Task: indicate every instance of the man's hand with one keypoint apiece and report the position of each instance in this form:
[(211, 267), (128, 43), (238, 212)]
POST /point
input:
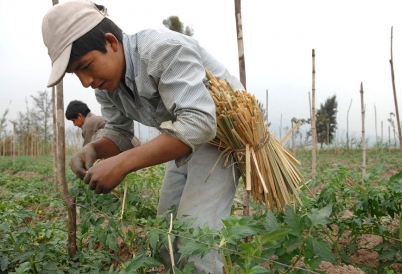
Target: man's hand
[(104, 176), (83, 160), (107, 174)]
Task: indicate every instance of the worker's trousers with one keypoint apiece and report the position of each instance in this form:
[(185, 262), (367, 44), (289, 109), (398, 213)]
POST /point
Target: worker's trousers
[(208, 201)]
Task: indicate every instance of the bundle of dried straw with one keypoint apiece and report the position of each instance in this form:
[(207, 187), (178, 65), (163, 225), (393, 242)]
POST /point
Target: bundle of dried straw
[(266, 166)]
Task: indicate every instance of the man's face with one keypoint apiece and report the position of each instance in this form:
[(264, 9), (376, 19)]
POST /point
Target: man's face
[(100, 70), (79, 121)]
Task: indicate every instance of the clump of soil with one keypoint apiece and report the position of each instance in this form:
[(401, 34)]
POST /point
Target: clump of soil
[(329, 268), (26, 174), (21, 173)]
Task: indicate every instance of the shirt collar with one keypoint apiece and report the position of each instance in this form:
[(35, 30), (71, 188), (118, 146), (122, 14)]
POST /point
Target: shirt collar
[(128, 48)]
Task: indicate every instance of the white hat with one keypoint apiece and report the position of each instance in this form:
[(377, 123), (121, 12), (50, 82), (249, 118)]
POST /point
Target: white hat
[(62, 25)]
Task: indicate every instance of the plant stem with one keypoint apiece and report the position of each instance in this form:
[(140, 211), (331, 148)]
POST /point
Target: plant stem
[(12, 237), (33, 265), (334, 243), (300, 255)]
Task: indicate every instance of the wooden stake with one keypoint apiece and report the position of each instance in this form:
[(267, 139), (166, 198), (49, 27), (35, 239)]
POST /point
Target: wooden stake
[(382, 137), (170, 243), (293, 140), (389, 138), (313, 127), (363, 135), (240, 46), (376, 135), (13, 140), (347, 126), (248, 168), (61, 170), (266, 106), (55, 186), (395, 99), (242, 71)]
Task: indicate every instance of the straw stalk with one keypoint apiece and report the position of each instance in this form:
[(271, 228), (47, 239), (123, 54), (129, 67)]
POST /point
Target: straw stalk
[(266, 166)]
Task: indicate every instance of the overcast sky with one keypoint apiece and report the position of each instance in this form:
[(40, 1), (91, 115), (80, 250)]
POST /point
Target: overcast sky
[(351, 40)]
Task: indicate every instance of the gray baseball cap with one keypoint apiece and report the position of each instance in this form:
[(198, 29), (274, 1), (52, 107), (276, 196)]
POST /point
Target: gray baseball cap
[(62, 25)]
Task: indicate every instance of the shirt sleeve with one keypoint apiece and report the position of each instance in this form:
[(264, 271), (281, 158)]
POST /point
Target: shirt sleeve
[(118, 127), (87, 135), (91, 125), (177, 68)]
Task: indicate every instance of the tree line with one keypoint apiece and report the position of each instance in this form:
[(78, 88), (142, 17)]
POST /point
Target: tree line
[(31, 132)]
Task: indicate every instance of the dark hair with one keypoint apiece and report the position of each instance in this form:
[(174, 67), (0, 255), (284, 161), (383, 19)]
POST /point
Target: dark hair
[(74, 108), (95, 39)]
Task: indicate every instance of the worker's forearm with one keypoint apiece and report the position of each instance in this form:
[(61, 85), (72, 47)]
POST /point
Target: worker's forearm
[(159, 150), (105, 148)]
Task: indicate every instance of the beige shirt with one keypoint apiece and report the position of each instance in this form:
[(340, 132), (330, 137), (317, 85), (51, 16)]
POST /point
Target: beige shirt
[(91, 125)]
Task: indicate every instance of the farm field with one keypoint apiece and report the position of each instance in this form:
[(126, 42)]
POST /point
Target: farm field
[(352, 225)]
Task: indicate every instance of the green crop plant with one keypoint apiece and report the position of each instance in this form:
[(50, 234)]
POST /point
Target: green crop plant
[(33, 232)]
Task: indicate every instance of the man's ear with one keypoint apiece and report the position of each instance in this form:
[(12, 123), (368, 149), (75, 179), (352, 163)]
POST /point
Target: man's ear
[(112, 40)]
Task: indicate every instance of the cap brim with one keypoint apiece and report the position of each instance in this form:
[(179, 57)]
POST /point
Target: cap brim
[(59, 67)]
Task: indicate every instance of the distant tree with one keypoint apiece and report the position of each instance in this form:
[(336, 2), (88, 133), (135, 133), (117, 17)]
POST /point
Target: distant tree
[(297, 131), (3, 121), (25, 122), (24, 129), (174, 23), (392, 123), (43, 103), (3, 135), (31, 128), (307, 141), (326, 121)]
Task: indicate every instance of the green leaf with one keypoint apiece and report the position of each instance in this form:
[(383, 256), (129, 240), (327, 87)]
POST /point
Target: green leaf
[(4, 227), (257, 269), (48, 233), (400, 226), (358, 222), (102, 236), (194, 248), (292, 220), (235, 233), (271, 223), (112, 223), (309, 249), (23, 268), (85, 223), (323, 250), (99, 221), (153, 238), (280, 251), (197, 232), (313, 263), (319, 218), (396, 181), (293, 244), (92, 220), (4, 262), (140, 261), (189, 267), (111, 242), (387, 254), (23, 256), (277, 235)]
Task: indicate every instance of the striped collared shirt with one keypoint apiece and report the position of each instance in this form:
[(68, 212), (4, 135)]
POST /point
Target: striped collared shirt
[(165, 88)]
